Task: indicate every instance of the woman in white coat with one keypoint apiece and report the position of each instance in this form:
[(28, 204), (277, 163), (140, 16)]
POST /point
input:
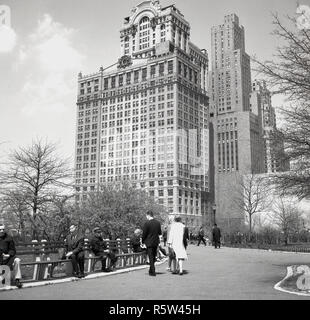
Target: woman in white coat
[(175, 241)]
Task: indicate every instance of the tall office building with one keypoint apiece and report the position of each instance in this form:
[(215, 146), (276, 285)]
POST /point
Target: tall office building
[(145, 118), (261, 105), (237, 130)]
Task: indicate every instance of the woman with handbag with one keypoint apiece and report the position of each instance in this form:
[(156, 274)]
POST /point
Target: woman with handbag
[(176, 242)]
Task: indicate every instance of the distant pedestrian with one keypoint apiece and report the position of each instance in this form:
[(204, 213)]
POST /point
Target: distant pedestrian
[(75, 251), (176, 241), (216, 236), (201, 236), (150, 237), (185, 237)]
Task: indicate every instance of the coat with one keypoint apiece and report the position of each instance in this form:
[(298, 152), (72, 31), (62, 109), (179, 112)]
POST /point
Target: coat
[(97, 245), (135, 243), (185, 237), (216, 234), (75, 243), (151, 233), (176, 237), (7, 245)]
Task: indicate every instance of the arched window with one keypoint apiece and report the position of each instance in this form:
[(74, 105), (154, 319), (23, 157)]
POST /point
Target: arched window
[(144, 33)]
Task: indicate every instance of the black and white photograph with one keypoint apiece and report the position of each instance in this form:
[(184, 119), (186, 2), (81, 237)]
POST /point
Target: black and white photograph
[(154, 154)]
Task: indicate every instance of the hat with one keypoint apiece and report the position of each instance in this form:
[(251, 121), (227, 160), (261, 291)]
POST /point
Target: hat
[(96, 229), (72, 226), (137, 231)]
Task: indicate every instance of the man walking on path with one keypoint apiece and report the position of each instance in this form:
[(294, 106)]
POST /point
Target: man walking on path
[(201, 235), (216, 236), (150, 237)]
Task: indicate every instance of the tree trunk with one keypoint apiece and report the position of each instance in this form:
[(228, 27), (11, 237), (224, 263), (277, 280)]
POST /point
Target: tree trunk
[(250, 230)]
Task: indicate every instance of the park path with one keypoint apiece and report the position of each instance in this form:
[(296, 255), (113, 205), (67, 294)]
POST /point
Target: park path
[(226, 273)]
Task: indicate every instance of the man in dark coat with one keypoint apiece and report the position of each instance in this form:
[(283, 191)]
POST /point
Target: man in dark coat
[(75, 251), (201, 236), (185, 237), (8, 255), (216, 236), (100, 249), (150, 237)]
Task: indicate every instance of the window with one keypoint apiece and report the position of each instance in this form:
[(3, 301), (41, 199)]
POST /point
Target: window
[(144, 33)]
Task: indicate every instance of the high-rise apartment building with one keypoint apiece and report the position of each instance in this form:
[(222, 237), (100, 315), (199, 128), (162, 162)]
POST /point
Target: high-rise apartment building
[(145, 119), (260, 104), (237, 130)]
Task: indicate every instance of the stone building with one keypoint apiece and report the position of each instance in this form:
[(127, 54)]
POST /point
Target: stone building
[(261, 105), (145, 119), (237, 132)]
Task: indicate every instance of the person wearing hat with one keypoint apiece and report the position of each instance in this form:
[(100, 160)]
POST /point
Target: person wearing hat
[(100, 250), (176, 242), (150, 238), (135, 241), (75, 251)]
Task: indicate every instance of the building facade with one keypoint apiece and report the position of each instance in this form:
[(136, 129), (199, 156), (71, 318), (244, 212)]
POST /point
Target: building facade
[(145, 119), (238, 141), (261, 105)]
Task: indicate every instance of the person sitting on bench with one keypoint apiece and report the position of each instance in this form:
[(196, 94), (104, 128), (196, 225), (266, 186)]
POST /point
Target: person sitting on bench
[(75, 251), (8, 256), (99, 247)]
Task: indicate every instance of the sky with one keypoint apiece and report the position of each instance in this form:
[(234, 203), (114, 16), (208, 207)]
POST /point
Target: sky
[(49, 42)]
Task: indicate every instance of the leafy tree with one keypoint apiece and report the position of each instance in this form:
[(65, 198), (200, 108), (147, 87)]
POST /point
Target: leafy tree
[(288, 74), (117, 210)]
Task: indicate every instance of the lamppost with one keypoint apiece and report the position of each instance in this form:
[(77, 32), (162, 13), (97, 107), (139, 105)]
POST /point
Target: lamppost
[(214, 212)]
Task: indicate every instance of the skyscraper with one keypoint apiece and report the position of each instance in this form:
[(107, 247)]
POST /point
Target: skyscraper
[(261, 105), (237, 130), (145, 118)]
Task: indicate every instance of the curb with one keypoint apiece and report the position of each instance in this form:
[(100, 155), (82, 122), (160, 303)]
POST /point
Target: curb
[(73, 279), (268, 250), (288, 274)]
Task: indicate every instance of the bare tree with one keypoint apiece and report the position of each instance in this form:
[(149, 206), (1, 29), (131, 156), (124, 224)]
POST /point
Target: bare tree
[(288, 74), (251, 196), (35, 174), (16, 211), (287, 217)]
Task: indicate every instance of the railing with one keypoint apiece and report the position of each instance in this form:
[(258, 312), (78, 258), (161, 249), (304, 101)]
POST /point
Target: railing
[(45, 261)]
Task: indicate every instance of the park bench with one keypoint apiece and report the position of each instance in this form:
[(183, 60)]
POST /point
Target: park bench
[(45, 261)]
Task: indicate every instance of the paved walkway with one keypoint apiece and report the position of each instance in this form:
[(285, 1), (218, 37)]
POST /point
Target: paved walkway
[(210, 274)]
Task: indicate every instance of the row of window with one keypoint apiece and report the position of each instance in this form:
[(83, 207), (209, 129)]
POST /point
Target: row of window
[(138, 75)]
